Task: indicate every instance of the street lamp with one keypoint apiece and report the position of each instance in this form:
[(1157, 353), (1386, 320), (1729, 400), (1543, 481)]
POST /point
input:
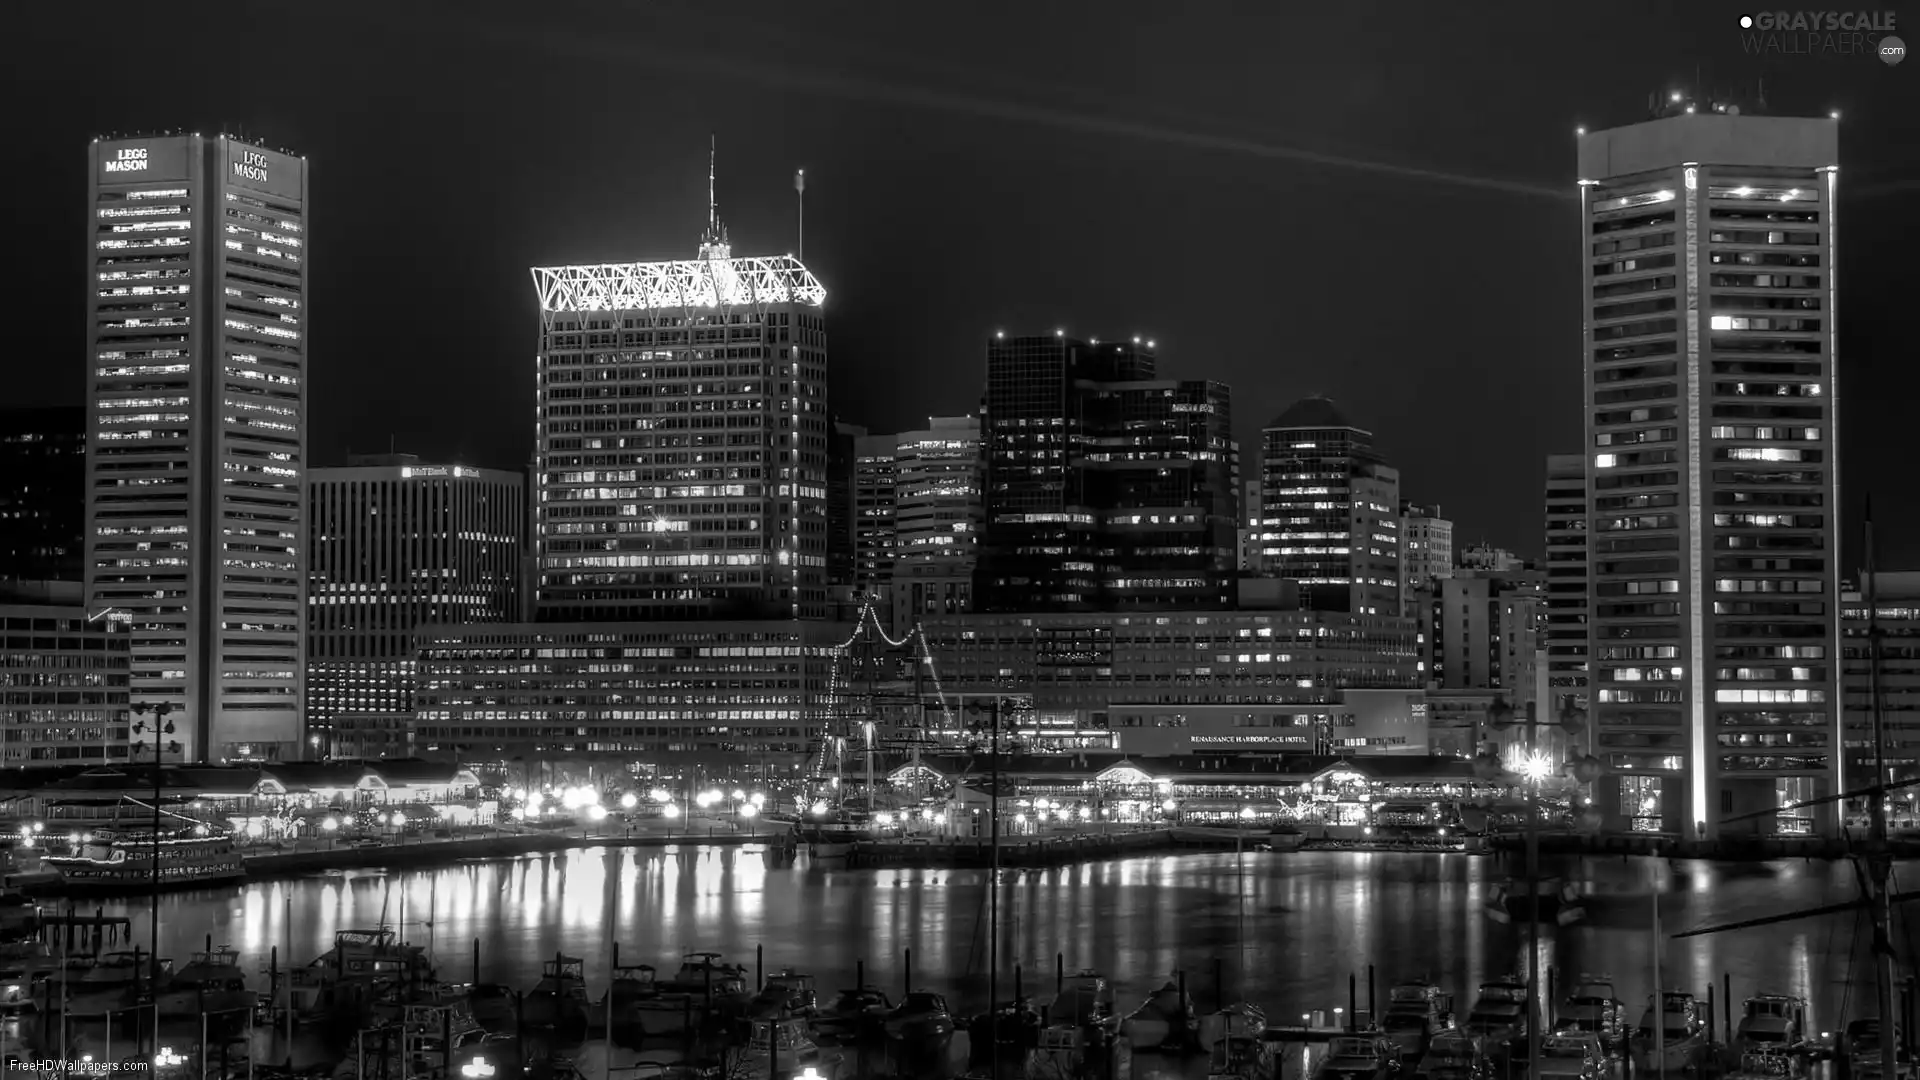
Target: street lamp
[(161, 726)]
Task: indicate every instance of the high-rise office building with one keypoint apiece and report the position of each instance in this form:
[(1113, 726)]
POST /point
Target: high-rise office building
[(43, 456), (1708, 254), (196, 283), (939, 512), (1564, 627), (1332, 511), (398, 544), (874, 476), (682, 445), (1104, 485)]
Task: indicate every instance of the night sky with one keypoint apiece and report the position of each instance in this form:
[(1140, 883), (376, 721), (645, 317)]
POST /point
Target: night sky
[(1370, 201)]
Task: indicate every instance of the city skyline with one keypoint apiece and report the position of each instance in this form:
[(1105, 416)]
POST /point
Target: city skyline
[(892, 368)]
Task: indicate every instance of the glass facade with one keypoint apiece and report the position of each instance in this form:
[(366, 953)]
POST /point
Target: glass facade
[(197, 274), (64, 682), (1708, 256), (1104, 487)]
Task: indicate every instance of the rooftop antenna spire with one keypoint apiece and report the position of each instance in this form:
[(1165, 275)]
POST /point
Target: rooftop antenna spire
[(713, 245)]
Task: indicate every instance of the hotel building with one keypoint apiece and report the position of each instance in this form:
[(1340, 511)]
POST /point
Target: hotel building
[(1708, 253), (398, 544), (1332, 512), (196, 273), (1105, 486), (682, 441)]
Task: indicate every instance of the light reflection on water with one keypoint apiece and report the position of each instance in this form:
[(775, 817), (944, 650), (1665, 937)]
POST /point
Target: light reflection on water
[(1309, 919)]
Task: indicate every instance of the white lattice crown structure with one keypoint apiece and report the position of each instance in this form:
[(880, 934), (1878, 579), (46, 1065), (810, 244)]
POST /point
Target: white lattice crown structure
[(689, 283)]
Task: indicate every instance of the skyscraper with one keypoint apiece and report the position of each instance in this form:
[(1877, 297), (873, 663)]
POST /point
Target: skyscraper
[(682, 439), (1332, 511), (1708, 252), (398, 544), (875, 476), (1565, 619), (197, 312), (938, 514), (43, 455), (1104, 485)]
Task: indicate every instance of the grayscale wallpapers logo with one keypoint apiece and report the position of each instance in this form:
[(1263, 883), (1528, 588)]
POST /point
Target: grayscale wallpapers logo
[(1822, 34)]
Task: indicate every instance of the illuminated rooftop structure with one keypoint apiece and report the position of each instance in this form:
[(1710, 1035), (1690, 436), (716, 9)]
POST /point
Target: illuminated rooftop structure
[(680, 284), (714, 280)]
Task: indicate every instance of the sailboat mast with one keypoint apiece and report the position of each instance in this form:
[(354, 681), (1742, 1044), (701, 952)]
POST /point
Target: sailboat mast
[(1879, 858), (1659, 992)]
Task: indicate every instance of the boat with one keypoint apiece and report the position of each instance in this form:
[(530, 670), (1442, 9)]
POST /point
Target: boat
[(1501, 1016), (720, 987), (1451, 1055), (1165, 1022), (786, 1048), (347, 978), (493, 1005), (637, 1008), (1085, 1000), (559, 1000), (853, 1016), (1594, 1008), (1014, 1028), (212, 983), (120, 861), (1359, 1057), (787, 993), (1549, 899), (1684, 1025), (1770, 1022), (1237, 1047), (1572, 1056), (111, 983), (1416, 1012), (919, 1033)]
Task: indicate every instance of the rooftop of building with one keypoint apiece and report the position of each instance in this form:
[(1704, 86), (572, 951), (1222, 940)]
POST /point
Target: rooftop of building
[(1312, 412)]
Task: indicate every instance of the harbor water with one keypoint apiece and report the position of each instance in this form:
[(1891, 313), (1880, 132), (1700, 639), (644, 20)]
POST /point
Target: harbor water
[(1284, 931)]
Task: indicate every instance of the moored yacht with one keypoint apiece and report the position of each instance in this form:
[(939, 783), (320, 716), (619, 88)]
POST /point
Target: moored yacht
[(1594, 1009), (1166, 1022), (1502, 1015), (1416, 1012), (1672, 1034), (1770, 1022), (559, 999), (115, 862), (1236, 1043), (213, 983)]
